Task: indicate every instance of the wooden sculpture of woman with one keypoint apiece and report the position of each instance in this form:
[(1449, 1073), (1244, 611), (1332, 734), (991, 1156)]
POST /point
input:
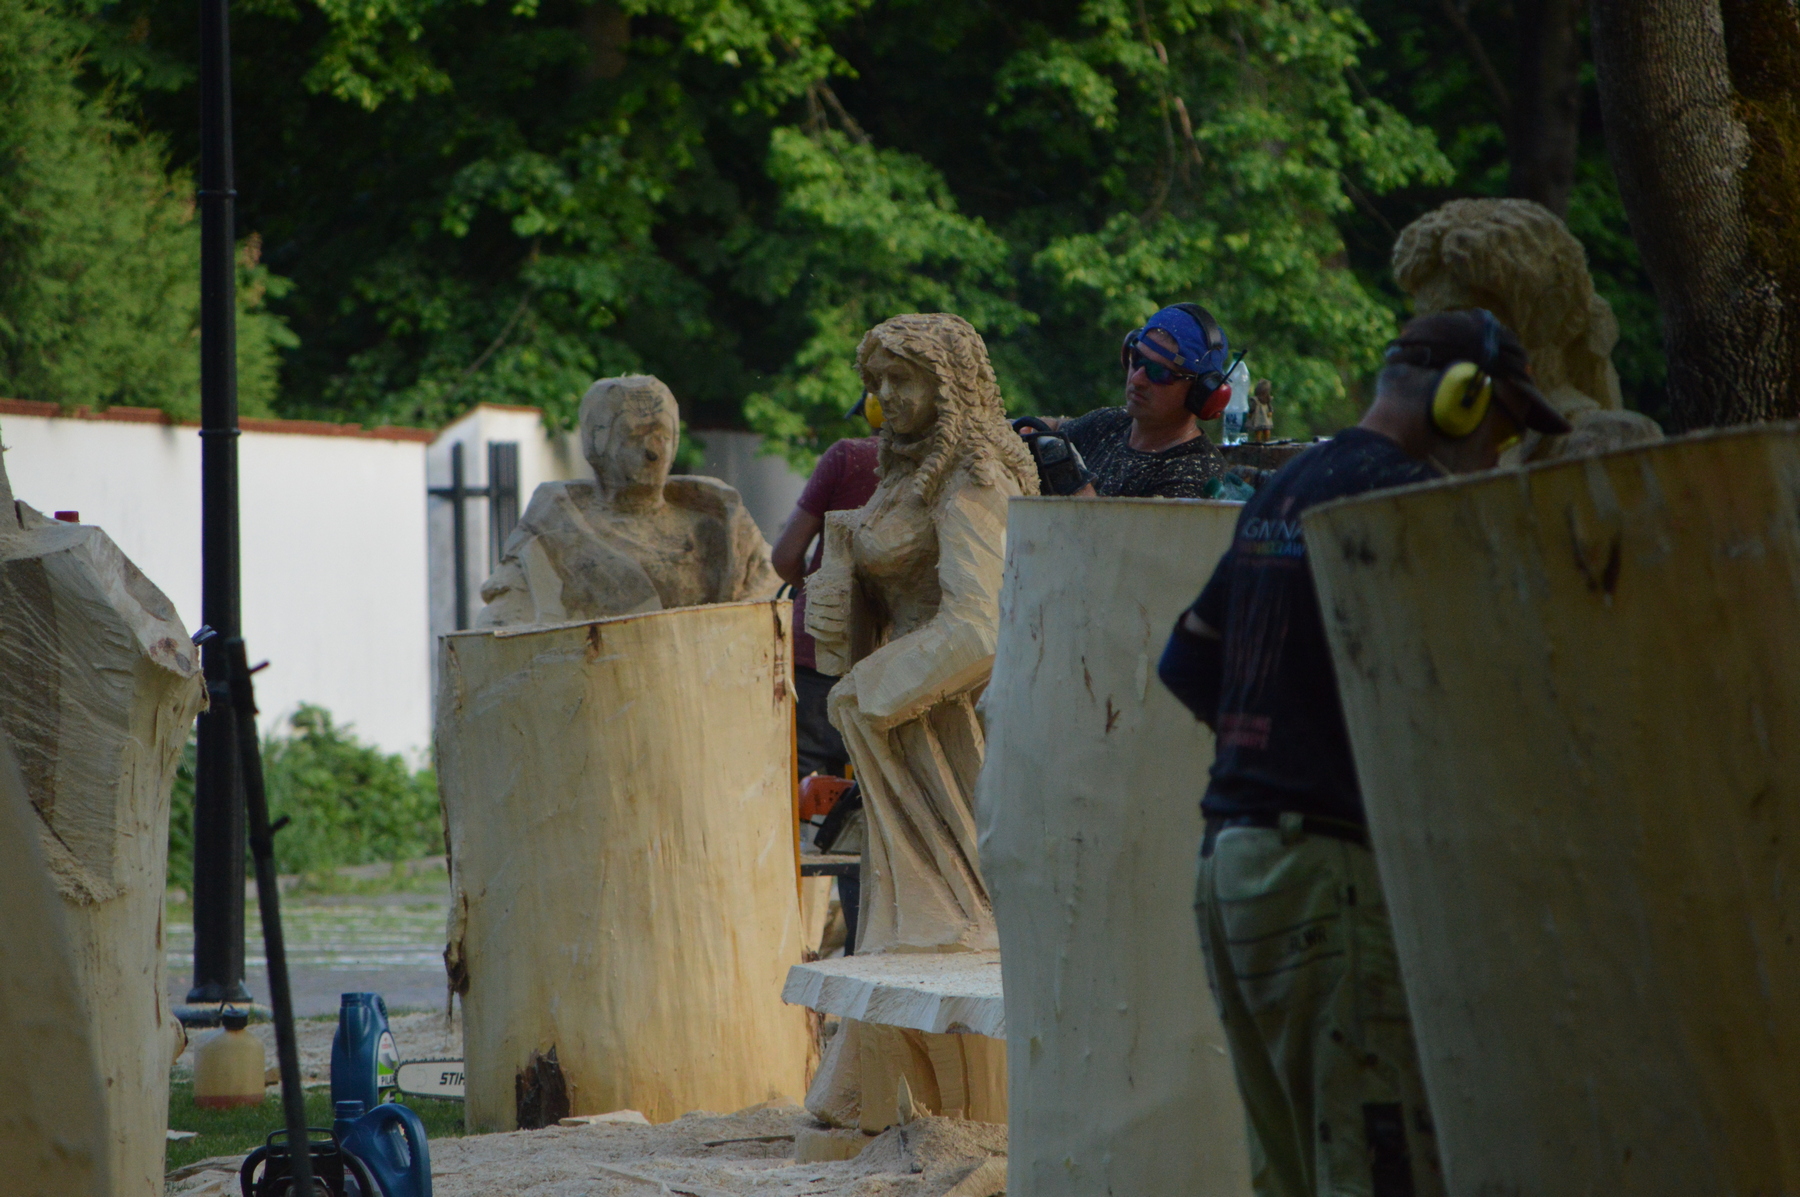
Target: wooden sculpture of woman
[(906, 608)]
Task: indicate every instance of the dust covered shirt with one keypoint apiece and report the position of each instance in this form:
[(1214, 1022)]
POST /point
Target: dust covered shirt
[(1181, 472), (1281, 740)]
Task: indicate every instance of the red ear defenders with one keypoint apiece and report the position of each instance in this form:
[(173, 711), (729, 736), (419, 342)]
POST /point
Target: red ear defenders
[(1208, 392)]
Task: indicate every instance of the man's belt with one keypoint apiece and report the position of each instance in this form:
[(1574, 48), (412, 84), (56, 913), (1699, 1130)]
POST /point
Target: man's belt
[(1292, 824)]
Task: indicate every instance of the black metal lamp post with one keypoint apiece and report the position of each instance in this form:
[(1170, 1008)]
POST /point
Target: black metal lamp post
[(228, 791), (218, 789)]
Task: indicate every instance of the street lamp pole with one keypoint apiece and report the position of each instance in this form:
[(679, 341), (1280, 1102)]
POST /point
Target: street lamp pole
[(218, 785)]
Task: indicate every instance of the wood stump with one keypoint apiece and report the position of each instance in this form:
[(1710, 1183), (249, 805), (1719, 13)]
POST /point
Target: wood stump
[(53, 1123), (99, 685), (1120, 1081), (625, 880), (1574, 698)]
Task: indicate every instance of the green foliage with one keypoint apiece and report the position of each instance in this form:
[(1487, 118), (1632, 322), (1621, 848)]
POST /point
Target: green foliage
[(1418, 64), (503, 199), (99, 249), (349, 802), (492, 201)]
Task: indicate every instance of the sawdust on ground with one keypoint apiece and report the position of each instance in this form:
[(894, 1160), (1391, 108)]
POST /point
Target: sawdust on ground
[(747, 1154)]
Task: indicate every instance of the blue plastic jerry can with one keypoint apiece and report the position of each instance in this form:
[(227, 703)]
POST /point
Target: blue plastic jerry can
[(363, 1058), (390, 1142)]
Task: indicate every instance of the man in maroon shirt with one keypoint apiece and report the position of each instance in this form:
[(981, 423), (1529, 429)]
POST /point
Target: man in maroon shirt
[(842, 481)]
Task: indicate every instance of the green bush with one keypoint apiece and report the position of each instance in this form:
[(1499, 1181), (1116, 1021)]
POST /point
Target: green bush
[(348, 802)]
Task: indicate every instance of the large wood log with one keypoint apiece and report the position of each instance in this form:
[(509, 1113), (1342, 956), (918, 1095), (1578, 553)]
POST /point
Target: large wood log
[(1574, 699), (1120, 1081), (53, 1123), (621, 811), (98, 688)]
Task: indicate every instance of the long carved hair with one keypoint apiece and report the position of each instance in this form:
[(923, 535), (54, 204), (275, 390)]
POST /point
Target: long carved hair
[(971, 431)]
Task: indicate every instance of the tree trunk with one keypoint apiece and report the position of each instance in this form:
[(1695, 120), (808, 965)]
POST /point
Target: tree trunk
[(1702, 109), (1545, 121)]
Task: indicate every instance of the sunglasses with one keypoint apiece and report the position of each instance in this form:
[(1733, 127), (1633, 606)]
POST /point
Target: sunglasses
[(1157, 372)]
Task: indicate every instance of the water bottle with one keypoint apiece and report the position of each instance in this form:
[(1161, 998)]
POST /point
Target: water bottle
[(363, 1058), (1239, 406), (389, 1141)]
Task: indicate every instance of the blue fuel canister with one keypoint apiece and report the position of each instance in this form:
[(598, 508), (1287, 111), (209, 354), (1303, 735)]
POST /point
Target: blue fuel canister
[(389, 1141), (363, 1058)]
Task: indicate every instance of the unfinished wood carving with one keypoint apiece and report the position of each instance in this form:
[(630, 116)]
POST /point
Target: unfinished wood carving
[(1573, 695), (53, 1120), (1090, 823), (98, 688), (633, 540), (624, 863), (904, 607), (1516, 259)]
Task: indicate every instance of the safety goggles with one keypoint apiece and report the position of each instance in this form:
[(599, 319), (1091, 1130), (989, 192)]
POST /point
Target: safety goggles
[(1160, 373)]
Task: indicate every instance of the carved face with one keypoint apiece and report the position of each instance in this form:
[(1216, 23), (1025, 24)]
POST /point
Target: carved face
[(629, 434), (908, 392)]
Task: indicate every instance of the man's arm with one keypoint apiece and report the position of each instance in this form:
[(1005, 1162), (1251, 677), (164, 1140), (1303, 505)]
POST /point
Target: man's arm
[(1193, 666), (789, 554)]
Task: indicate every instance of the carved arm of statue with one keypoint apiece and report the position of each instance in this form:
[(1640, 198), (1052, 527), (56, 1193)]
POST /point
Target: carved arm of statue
[(830, 597), (757, 578), (953, 652)]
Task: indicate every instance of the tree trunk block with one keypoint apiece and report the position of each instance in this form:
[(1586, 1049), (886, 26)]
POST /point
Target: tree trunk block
[(99, 685), (625, 889), (1573, 694), (1120, 1081)]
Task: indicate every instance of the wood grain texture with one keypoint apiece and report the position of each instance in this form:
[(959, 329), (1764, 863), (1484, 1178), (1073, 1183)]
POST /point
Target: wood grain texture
[(1574, 696), (99, 686), (1090, 826), (619, 797), (53, 1120)]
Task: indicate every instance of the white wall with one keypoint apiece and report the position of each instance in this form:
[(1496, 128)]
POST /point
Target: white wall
[(770, 486), (332, 544)]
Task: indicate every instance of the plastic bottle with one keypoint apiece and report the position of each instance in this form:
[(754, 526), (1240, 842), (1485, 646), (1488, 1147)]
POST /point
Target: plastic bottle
[(229, 1065), (363, 1058), (1239, 406), (390, 1141)]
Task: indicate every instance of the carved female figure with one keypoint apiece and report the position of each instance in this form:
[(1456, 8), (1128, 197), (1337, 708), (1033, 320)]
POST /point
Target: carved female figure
[(906, 608)]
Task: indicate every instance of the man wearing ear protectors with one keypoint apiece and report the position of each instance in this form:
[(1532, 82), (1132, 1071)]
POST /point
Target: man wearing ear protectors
[(1293, 926), (1175, 368)]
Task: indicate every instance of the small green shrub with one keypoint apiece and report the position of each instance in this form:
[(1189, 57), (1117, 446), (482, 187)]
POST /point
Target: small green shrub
[(348, 802)]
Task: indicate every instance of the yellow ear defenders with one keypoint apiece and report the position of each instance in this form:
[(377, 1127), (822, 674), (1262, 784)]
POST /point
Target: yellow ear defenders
[(1465, 389), (869, 408), (1461, 403)]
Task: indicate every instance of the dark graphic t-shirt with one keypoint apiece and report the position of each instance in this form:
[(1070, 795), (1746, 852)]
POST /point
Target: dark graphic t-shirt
[(1282, 744), (1178, 473)]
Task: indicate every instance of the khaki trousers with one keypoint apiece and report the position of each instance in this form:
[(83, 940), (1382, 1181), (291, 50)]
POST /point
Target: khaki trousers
[(1300, 955)]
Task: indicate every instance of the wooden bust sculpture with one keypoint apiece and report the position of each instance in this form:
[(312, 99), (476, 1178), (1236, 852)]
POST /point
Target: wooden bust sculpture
[(906, 608), (634, 539), (1516, 259)]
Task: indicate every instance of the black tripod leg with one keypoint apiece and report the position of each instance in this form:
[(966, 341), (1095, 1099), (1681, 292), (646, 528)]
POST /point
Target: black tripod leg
[(268, 901)]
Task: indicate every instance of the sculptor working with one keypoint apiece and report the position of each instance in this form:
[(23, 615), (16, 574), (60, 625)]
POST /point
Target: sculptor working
[(634, 539)]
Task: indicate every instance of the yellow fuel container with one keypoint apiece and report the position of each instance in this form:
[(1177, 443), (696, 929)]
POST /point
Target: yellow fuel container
[(228, 1065)]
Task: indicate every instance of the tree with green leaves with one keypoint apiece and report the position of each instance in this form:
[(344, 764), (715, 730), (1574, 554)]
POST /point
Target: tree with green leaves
[(99, 251), (477, 201)]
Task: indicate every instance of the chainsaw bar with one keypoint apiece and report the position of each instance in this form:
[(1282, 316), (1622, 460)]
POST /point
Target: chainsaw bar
[(430, 1078)]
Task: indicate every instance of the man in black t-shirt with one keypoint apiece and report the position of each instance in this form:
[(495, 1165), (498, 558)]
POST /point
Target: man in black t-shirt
[(1294, 928), (1153, 446)]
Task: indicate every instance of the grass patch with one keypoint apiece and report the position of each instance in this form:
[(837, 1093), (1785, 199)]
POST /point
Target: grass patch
[(429, 883), (238, 1130)]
